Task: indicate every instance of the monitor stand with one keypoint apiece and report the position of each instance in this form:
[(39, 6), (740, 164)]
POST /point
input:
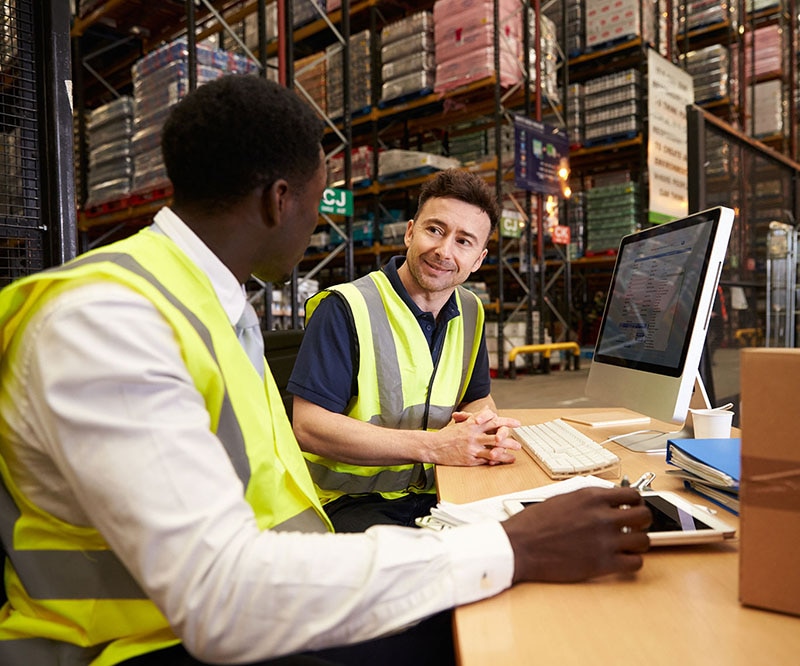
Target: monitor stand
[(657, 441)]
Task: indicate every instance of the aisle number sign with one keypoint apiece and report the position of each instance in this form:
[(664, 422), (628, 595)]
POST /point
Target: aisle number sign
[(561, 234), (512, 222), (336, 202)]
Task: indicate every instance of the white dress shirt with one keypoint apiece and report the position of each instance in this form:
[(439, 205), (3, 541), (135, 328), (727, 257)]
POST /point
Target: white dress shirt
[(112, 433)]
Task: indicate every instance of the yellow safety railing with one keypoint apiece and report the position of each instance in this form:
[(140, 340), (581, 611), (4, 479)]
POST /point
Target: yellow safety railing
[(545, 349)]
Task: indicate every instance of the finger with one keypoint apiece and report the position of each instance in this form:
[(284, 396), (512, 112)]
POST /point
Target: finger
[(627, 562), (460, 417), (484, 416), (619, 497), (635, 519), (495, 454), (482, 457), (501, 423), (506, 442), (635, 542), (641, 518), (500, 438), (500, 454)]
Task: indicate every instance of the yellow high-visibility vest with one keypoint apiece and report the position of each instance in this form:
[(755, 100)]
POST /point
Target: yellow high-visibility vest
[(398, 384), (69, 596)]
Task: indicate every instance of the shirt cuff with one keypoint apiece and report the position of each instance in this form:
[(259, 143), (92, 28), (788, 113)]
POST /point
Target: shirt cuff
[(483, 558)]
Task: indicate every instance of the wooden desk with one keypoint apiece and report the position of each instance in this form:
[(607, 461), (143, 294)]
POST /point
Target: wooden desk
[(681, 608)]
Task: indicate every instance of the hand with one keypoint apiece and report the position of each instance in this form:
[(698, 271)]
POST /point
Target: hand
[(481, 438), (579, 535)]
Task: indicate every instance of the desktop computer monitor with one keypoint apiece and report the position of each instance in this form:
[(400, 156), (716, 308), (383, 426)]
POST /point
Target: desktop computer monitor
[(655, 319)]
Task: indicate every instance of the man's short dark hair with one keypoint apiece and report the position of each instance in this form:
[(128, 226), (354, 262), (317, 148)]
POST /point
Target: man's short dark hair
[(236, 133), (463, 186)]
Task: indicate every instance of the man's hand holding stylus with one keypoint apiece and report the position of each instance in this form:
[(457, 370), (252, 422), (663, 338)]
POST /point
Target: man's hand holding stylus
[(580, 535)]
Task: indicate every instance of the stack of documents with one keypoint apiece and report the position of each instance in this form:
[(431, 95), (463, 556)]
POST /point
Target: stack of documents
[(449, 514), (710, 467)]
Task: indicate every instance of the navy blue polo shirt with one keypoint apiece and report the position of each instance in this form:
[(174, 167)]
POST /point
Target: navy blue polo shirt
[(323, 371)]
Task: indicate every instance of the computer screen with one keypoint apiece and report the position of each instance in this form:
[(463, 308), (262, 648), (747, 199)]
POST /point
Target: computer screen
[(656, 316)]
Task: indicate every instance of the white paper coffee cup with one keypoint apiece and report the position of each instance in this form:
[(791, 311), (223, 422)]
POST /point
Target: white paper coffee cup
[(712, 423)]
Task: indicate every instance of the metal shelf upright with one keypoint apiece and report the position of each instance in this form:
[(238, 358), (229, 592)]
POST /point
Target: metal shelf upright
[(538, 290), (343, 142)]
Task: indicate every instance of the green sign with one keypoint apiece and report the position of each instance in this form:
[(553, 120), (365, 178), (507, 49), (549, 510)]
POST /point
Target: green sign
[(336, 202), (512, 222)]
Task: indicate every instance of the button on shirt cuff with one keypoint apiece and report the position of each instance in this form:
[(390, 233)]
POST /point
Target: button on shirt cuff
[(484, 560)]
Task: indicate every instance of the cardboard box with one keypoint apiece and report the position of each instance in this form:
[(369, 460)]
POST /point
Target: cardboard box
[(770, 485)]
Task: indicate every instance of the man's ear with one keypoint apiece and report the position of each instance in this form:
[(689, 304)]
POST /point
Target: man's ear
[(480, 259), (409, 232), (275, 201)]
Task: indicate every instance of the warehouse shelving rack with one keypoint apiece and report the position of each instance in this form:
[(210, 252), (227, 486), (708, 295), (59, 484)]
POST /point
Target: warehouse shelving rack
[(516, 291), (546, 283), (106, 42), (728, 33), (141, 27), (338, 29), (625, 152), (560, 280), (782, 15), (411, 119), (736, 32)]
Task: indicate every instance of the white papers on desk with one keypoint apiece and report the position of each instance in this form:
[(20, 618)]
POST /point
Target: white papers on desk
[(449, 514)]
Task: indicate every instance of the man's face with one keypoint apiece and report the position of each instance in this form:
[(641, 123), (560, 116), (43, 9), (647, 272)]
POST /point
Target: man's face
[(446, 243), (299, 218), (305, 207)]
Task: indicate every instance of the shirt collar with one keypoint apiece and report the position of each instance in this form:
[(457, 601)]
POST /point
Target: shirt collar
[(230, 293), (450, 308)]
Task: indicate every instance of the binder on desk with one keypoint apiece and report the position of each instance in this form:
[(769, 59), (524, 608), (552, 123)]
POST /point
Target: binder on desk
[(727, 498), (710, 467)]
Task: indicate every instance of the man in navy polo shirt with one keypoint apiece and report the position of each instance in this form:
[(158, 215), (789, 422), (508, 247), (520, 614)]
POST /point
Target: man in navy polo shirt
[(393, 373)]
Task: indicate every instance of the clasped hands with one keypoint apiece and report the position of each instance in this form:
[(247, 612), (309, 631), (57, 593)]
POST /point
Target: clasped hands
[(479, 438)]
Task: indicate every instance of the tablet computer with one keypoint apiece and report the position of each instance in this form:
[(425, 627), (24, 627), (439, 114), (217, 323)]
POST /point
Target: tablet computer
[(676, 522)]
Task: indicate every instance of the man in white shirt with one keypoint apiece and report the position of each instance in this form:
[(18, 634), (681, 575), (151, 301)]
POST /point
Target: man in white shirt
[(156, 508)]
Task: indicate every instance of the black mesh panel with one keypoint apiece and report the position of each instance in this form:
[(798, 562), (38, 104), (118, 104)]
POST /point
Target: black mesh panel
[(21, 235)]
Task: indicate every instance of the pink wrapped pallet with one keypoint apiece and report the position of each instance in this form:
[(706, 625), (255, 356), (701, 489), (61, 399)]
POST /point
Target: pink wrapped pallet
[(464, 38), (474, 66), (451, 17), (462, 42), (474, 11), (361, 167), (767, 46)]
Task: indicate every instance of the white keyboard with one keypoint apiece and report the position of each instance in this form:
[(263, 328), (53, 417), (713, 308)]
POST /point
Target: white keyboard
[(563, 451)]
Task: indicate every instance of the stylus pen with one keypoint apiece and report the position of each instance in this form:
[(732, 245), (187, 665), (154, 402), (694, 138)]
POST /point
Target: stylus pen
[(625, 482)]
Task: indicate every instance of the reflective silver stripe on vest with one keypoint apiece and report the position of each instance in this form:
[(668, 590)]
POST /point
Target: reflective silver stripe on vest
[(390, 382), (305, 521), (385, 481), (469, 313), (98, 574), (45, 652), (95, 574)]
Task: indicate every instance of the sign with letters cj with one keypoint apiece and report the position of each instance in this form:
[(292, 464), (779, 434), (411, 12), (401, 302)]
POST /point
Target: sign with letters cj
[(336, 202)]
